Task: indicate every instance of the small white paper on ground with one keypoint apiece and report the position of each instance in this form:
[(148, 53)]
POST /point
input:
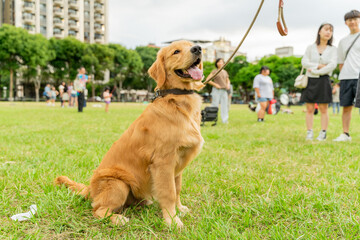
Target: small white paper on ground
[(25, 216)]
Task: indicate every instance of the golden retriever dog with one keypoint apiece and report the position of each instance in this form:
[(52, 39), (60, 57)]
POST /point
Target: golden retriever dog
[(148, 160)]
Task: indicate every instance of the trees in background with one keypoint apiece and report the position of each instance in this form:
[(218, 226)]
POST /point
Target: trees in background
[(97, 59), (148, 57), (126, 65), (36, 57), (12, 47), (40, 60)]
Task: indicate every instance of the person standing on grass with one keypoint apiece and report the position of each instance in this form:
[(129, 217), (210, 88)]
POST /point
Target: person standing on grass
[(264, 91), (320, 59), (53, 94), (221, 84), (336, 98), (47, 94), (80, 85), (107, 98), (349, 65), (63, 93)]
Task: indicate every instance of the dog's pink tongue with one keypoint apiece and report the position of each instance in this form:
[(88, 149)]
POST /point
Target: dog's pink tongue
[(196, 73)]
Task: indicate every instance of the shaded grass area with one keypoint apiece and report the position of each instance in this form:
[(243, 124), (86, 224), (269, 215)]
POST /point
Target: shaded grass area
[(251, 180)]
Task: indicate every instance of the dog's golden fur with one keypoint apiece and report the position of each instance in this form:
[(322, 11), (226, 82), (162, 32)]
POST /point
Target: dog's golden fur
[(149, 158)]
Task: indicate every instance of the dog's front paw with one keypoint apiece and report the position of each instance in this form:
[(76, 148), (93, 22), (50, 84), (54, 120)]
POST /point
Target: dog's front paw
[(183, 209), (176, 220)]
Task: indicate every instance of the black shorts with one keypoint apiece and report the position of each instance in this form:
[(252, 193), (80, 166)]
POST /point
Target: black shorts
[(347, 92)]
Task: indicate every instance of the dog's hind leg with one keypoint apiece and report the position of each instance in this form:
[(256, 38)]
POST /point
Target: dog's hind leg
[(110, 195)]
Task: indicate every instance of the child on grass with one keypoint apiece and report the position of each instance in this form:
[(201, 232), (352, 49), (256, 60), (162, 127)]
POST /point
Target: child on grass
[(107, 98)]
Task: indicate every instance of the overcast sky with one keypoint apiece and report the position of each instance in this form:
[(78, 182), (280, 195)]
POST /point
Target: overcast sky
[(139, 22)]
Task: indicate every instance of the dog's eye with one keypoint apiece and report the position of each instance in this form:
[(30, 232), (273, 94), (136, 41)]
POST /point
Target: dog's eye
[(177, 51)]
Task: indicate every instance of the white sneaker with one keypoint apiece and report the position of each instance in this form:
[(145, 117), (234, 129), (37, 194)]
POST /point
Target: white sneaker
[(309, 135), (322, 136), (342, 138)]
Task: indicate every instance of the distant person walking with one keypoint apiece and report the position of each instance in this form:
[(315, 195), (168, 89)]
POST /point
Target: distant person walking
[(319, 60), (264, 91), (80, 85), (219, 94), (336, 98), (349, 65)]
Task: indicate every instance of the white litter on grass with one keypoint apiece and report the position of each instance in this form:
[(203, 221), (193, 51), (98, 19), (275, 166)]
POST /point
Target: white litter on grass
[(25, 216), (97, 105)]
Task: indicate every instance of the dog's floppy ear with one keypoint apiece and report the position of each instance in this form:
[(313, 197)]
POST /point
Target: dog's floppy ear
[(157, 71)]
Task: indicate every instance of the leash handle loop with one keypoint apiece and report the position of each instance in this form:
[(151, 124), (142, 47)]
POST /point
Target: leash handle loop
[(283, 30)]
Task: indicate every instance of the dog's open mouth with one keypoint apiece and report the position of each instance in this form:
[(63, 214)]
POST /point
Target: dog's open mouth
[(193, 71)]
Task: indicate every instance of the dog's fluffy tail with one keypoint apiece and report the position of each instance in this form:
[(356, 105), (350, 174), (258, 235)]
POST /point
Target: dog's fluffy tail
[(78, 188)]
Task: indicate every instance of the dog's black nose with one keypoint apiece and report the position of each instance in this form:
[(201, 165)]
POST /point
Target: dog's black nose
[(196, 50)]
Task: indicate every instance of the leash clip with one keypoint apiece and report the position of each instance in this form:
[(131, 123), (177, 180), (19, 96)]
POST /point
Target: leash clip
[(157, 94)]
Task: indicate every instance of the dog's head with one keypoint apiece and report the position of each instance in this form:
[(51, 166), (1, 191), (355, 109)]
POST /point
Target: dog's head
[(178, 65)]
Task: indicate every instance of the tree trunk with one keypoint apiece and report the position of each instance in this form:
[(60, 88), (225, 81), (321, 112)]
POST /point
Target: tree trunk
[(37, 83), (37, 88), (37, 94), (11, 92)]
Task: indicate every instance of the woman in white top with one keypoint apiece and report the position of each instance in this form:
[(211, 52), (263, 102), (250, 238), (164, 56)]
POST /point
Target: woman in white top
[(320, 60)]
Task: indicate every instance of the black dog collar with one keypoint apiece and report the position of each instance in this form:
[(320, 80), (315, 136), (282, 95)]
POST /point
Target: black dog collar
[(175, 91)]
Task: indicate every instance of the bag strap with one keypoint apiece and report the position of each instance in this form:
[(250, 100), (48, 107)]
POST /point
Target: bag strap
[(347, 52), (302, 69)]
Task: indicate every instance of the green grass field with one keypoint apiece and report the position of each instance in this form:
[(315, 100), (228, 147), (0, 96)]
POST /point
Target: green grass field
[(251, 180)]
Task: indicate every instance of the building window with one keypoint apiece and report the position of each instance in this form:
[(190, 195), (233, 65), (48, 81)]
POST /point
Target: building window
[(43, 30), (27, 15), (72, 33), (57, 31), (97, 15), (98, 36), (87, 14), (87, 36), (57, 20), (28, 27), (42, 7), (72, 22), (72, 11), (42, 18), (28, 4)]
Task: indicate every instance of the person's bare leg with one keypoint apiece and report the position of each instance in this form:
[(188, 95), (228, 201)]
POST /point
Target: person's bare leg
[(324, 116), (261, 113), (346, 118), (310, 108)]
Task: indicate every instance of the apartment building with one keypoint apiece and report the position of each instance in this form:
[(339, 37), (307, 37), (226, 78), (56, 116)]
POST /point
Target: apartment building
[(86, 20)]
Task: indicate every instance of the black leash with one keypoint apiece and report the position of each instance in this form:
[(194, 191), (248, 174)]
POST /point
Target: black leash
[(176, 91)]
